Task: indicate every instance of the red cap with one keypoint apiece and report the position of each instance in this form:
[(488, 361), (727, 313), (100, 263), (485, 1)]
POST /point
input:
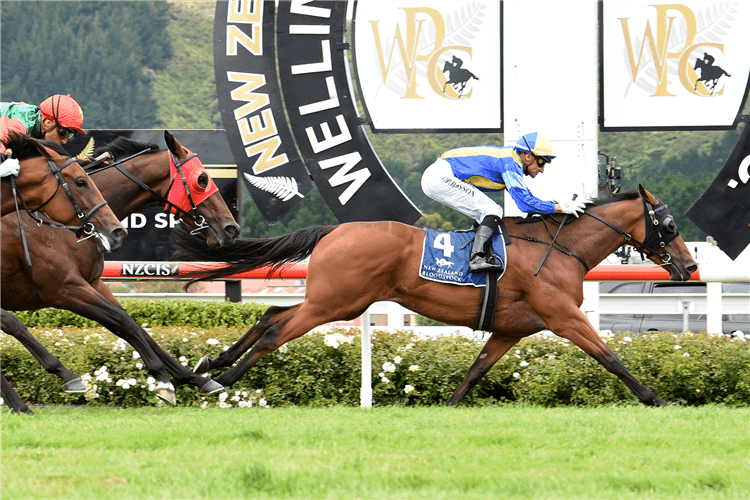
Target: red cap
[(64, 111)]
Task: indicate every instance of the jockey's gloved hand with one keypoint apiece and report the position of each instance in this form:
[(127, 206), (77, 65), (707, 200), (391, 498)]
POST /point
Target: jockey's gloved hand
[(9, 167), (573, 207)]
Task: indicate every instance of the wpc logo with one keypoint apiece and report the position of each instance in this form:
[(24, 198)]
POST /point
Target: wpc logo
[(420, 50), (685, 45)]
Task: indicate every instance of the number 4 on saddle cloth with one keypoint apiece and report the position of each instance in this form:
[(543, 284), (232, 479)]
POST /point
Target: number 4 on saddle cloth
[(445, 258)]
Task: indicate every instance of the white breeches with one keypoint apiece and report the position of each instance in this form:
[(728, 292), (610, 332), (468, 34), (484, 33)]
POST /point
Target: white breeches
[(439, 183)]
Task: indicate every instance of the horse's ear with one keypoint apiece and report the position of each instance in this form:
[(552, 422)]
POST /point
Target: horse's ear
[(172, 143), (646, 195)]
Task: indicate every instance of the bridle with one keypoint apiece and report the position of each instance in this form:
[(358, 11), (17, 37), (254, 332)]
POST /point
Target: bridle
[(660, 231), (191, 212), (86, 227)]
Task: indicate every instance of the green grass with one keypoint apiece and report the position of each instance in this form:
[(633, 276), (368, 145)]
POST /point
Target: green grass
[(382, 453)]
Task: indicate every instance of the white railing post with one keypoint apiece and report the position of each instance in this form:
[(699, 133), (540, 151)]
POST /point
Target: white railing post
[(713, 312), (365, 393)]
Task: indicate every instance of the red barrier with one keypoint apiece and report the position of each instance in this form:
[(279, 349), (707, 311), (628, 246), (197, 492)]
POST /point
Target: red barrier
[(176, 270)]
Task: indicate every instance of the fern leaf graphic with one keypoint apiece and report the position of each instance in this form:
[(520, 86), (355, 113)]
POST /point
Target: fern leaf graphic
[(87, 150), (282, 187)]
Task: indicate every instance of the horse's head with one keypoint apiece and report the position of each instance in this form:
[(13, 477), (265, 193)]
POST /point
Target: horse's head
[(662, 241), (447, 66), (194, 192), (65, 192)]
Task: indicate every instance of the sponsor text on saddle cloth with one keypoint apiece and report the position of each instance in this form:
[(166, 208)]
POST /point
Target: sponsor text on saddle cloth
[(445, 258)]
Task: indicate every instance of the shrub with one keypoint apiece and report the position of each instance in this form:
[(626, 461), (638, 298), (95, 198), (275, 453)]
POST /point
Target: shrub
[(324, 368)]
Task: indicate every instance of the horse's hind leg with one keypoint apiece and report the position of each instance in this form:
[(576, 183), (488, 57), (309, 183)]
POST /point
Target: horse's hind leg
[(493, 350), (227, 358), (577, 328), (278, 334), (11, 398), (12, 326)]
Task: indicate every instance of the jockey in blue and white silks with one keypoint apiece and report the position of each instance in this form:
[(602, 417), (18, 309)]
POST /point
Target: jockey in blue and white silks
[(461, 176)]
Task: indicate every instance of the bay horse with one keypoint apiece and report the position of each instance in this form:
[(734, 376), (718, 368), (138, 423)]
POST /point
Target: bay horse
[(70, 277), (356, 264), (50, 181)]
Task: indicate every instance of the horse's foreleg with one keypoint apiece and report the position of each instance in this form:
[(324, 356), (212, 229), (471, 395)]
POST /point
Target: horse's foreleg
[(11, 398), (577, 328), (182, 374), (12, 326), (493, 350), (227, 358)]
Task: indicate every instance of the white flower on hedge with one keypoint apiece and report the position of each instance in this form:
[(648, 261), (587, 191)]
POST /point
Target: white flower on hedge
[(414, 368), (524, 363), (223, 396), (389, 367), (204, 404), (336, 339), (397, 360), (687, 355), (212, 342), (222, 404), (263, 403), (184, 339), (677, 347), (139, 365), (408, 388), (516, 374), (183, 360), (627, 339), (284, 348), (136, 355)]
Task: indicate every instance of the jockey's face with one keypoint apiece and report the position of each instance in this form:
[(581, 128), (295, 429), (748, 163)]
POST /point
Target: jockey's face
[(530, 166), (51, 131)]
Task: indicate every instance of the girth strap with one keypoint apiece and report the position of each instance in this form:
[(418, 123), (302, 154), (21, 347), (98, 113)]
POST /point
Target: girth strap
[(488, 303)]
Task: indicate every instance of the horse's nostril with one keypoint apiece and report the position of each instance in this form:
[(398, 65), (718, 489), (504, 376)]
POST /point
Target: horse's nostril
[(119, 233), (692, 268)]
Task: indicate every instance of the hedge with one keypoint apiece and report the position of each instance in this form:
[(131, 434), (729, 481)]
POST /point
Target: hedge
[(324, 367)]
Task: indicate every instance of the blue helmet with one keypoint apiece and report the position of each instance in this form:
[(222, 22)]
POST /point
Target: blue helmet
[(536, 144)]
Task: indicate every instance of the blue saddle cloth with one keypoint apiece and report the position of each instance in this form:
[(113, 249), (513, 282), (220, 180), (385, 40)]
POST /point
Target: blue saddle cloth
[(445, 261)]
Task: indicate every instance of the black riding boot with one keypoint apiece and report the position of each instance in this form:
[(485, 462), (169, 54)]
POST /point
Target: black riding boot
[(481, 258)]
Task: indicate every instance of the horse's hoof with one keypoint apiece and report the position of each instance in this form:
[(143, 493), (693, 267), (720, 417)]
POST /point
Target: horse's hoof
[(165, 391), (74, 386), (211, 386), (202, 366), (659, 402)]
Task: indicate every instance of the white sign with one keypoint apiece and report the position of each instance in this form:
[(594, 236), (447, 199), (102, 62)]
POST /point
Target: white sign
[(677, 65), (429, 65)]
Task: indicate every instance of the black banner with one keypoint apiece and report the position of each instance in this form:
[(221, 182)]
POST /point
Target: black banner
[(251, 106), (723, 210), (312, 53), (149, 229)]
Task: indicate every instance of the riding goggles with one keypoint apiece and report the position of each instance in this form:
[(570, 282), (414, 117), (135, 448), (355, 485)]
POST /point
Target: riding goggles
[(64, 133)]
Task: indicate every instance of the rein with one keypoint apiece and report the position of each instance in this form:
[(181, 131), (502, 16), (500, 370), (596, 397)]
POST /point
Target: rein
[(86, 226), (198, 219), (658, 233)]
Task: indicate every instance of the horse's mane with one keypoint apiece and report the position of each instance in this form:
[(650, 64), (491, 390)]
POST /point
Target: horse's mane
[(123, 147), (25, 147), (604, 198)]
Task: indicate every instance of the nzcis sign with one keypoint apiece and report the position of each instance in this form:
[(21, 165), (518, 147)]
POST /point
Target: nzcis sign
[(673, 65)]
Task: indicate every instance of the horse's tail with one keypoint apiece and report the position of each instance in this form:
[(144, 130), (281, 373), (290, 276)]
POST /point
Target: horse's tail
[(247, 254)]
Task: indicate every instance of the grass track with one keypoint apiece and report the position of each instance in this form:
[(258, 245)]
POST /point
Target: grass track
[(382, 453)]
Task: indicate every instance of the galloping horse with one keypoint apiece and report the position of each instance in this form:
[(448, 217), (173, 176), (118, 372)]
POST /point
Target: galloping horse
[(50, 181), (710, 74), (69, 274), (355, 264), (42, 174)]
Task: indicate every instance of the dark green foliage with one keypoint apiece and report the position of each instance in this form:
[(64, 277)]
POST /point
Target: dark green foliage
[(101, 53), (321, 369)]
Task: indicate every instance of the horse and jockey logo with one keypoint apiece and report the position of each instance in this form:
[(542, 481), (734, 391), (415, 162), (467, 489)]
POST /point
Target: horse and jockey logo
[(710, 74), (457, 76), (443, 262)]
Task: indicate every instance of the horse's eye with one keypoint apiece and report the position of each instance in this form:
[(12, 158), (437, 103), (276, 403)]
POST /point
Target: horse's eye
[(203, 180), (81, 183)]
